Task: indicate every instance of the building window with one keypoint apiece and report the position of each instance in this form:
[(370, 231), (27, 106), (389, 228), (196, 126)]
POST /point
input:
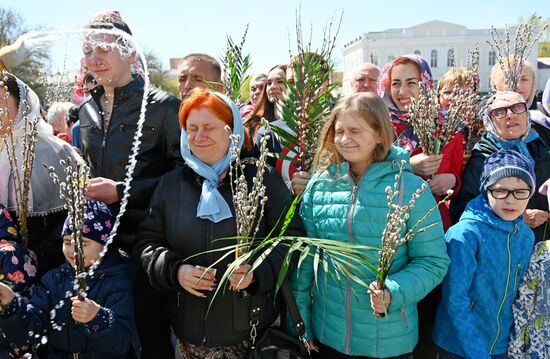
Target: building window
[(374, 58), (433, 59), (417, 52), (391, 56), (492, 58), (450, 58)]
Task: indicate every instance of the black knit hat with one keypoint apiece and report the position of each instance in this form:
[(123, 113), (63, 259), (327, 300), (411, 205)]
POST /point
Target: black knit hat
[(506, 163)]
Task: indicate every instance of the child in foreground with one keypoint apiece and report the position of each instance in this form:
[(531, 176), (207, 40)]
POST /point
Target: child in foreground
[(98, 326), (489, 249)]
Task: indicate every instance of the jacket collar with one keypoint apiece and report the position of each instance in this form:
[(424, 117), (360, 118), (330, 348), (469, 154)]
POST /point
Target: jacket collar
[(478, 210), (121, 93), (381, 169)]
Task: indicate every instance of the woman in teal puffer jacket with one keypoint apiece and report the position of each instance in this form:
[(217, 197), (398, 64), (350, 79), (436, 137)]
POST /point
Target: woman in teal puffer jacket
[(346, 201)]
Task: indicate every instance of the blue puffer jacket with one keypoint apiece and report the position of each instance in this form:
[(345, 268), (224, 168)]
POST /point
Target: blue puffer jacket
[(488, 258), (108, 335), (340, 315)]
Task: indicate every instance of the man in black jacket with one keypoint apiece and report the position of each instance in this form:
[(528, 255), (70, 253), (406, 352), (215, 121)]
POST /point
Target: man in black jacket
[(108, 123)]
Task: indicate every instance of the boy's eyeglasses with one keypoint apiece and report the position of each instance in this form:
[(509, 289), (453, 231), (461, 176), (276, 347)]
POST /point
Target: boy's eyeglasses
[(516, 108), (499, 193)]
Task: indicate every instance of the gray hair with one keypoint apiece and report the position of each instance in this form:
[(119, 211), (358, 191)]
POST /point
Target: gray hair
[(56, 113)]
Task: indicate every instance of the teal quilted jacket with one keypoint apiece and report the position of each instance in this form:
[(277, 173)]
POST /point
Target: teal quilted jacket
[(338, 312)]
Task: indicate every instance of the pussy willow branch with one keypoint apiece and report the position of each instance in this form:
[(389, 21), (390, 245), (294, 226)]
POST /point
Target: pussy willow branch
[(433, 130), (73, 191), (397, 221), (309, 101), (512, 63), (21, 172), (247, 201), (235, 70)]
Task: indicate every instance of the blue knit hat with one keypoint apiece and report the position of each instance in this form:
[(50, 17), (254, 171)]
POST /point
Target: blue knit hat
[(97, 224), (506, 163)]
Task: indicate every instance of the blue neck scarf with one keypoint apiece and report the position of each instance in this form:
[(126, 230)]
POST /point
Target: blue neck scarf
[(518, 145), (212, 205)]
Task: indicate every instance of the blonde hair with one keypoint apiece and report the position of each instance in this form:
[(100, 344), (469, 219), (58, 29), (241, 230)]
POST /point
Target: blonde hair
[(498, 78), (455, 76), (365, 105)]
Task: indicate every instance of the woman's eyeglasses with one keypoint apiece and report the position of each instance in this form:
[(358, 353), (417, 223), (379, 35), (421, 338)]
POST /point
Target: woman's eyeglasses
[(499, 193), (516, 108)]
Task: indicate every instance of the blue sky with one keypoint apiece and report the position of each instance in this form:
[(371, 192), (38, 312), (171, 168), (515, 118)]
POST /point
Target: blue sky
[(175, 28)]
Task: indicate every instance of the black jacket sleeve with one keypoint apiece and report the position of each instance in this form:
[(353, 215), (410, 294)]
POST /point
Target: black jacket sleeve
[(278, 204), (469, 188), (157, 259)]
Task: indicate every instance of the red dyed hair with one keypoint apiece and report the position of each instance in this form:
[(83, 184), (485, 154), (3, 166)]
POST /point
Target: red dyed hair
[(402, 60), (200, 98)]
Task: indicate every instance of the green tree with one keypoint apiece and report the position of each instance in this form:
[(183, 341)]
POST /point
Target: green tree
[(158, 76), (11, 27)]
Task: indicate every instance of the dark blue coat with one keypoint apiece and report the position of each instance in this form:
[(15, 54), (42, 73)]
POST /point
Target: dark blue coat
[(108, 335)]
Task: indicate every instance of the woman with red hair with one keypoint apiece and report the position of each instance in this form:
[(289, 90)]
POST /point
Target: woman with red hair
[(192, 207)]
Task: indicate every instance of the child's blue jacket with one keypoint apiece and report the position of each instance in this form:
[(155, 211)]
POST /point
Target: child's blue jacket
[(109, 335), (488, 258)]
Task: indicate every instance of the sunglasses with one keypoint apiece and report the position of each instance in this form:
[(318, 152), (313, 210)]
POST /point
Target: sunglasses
[(516, 108)]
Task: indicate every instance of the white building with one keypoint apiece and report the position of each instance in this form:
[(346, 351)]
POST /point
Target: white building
[(435, 40)]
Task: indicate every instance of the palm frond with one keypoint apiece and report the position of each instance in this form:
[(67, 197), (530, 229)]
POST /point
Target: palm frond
[(309, 100)]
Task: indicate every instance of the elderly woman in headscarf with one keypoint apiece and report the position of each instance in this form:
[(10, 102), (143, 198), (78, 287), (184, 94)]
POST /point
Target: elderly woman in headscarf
[(506, 120), (192, 207), (20, 106)]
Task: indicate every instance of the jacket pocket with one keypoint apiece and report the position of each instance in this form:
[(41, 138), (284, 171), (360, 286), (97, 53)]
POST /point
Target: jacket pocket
[(472, 305), (241, 311)]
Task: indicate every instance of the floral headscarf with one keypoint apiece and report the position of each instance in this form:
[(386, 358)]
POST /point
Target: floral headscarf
[(406, 139), (17, 263)]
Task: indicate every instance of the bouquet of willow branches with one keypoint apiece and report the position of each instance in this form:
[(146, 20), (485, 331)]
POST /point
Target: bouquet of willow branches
[(73, 191), (341, 260), (512, 61), (247, 201), (309, 99), (21, 172), (468, 110), (432, 129), (398, 214), (235, 68)]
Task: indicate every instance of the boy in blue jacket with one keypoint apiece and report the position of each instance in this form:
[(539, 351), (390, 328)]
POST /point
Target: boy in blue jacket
[(489, 249), (99, 326)]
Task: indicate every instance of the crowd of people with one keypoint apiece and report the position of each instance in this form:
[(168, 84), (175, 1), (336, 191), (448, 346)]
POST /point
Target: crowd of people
[(474, 284)]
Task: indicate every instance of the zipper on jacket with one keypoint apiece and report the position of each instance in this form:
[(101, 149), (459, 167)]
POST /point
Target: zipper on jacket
[(517, 274), (348, 291), (505, 292), (404, 317), (209, 322)]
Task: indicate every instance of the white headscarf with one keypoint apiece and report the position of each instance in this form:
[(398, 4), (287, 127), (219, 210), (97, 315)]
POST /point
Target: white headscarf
[(49, 150)]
